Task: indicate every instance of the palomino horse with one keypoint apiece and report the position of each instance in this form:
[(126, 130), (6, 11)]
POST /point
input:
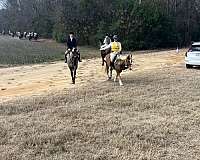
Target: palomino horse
[(104, 52), (119, 65), (72, 61)]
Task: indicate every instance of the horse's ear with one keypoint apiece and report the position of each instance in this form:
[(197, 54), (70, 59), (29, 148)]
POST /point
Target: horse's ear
[(128, 57), (131, 58)]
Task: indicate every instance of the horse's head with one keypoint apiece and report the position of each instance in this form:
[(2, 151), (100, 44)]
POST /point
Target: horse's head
[(128, 62), (74, 53)]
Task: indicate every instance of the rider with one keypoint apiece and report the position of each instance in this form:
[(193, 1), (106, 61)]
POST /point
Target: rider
[(106, 42), (116, 49), (72, 46)]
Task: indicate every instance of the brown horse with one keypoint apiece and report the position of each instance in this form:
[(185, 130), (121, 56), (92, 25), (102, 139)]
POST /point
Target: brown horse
[(119, 65), (104, 52)]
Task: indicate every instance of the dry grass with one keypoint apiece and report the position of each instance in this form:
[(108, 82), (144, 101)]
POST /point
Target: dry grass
[(155, 116)]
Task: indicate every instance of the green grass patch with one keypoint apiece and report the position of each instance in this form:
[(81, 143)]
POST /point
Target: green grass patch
[(19, 52)]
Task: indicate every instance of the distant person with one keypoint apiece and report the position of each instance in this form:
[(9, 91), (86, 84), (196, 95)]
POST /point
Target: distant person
[(106, 42), (20, 35), (25, 34), (35, 36), (72, 46), (3, 32)]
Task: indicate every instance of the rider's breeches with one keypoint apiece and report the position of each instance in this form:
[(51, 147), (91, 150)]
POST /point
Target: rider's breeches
[(113, 55)]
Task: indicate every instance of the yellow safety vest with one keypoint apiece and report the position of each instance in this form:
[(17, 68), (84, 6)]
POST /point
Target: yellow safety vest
[(115, 47)]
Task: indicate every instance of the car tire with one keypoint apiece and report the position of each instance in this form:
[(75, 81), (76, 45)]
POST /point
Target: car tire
[(188, 66)]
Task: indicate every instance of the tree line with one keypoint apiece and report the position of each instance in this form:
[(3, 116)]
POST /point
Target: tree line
[(140, 24)]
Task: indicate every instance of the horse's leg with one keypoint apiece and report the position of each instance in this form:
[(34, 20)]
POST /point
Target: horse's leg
[(72, 75), (115, 79), (110, 72), (102, 57), (120, 80), (107, 70), (102, 60)]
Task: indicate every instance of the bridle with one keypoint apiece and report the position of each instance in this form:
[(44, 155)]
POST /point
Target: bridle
[(128, 62)]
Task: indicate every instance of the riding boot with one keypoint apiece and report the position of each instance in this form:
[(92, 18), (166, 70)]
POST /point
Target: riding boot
[(65, 58), (79, 57)]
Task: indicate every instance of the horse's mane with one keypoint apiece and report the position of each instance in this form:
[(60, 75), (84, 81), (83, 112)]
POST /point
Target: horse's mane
[(123, 57)]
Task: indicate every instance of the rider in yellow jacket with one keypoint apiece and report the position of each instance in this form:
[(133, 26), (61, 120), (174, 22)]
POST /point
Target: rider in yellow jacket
[(116, 48)]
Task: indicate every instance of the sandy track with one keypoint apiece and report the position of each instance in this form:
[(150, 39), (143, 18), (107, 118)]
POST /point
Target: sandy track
[(44, 78)]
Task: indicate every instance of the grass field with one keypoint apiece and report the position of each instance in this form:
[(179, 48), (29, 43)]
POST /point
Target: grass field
[(155, 116), (19, 52)]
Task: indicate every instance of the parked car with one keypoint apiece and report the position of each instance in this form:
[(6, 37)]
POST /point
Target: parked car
[(192, 56)]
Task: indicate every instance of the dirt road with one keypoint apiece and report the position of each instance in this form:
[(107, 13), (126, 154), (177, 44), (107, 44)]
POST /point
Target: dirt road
[(44, 78)]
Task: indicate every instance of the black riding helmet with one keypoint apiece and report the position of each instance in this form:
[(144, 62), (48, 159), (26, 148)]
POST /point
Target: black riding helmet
[(115, 37)]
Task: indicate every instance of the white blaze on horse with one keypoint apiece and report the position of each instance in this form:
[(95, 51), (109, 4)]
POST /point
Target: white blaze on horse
[(120, 64)]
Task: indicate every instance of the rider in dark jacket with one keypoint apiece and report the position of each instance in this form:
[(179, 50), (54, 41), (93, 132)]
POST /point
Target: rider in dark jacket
[(72, 45), (71, 42)]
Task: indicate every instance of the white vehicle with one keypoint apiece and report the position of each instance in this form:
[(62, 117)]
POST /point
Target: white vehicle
[(192, 56)]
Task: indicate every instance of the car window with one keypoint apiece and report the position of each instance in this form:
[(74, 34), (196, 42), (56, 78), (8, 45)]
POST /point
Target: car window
[(195, 48)]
